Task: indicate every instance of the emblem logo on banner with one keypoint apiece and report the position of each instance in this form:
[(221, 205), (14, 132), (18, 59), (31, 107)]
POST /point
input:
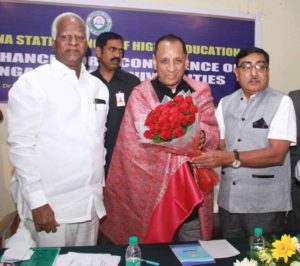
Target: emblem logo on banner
[(98, 22)]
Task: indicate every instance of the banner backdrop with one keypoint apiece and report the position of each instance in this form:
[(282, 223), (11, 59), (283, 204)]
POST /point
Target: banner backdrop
[(212, 42)]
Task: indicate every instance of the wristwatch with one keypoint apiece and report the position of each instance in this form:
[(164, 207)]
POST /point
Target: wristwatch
[(236, 163)]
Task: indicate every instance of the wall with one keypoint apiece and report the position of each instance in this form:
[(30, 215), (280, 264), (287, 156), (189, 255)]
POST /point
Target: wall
[(280, 36), (6, 202)]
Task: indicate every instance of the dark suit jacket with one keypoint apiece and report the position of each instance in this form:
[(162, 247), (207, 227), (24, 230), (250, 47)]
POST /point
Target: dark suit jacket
[(295, 150), (293, 219)]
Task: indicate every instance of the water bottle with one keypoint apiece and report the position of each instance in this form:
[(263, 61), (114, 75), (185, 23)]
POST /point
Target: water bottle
[(258, 241), (133, 252)]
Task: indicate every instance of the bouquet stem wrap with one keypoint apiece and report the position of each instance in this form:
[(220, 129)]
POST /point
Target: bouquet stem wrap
[(206, 178)]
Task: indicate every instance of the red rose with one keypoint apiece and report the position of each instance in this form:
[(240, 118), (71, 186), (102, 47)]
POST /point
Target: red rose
[(193, 109), (189, 99), (163, 119), (191, 118), (174, 110), (148, 134), (173, 119), (169, 104), (156, 112), (165, 110), (165, 134), (150, 120), (155, 128), (178, 132), (166, 127), (184, 108), (178, 99), (183, 121)]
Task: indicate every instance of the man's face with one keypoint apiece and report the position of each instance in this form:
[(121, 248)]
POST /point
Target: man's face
[(70, 45), (111, 54), (170, 63), (252, 73)]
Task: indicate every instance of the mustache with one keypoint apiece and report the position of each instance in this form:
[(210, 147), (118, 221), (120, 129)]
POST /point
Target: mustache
[(72, 50), (115, 59)]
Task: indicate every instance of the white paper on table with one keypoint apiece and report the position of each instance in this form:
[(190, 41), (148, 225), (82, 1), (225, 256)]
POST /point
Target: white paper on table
[(18, 245), (20, 251), (87, 259), (220, 248)]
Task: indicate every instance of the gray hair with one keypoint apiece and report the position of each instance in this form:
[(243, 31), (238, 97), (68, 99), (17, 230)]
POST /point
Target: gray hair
[(67, 14)]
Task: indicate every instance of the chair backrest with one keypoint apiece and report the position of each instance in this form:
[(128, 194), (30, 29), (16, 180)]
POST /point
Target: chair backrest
[(8, 226), (1, 116)]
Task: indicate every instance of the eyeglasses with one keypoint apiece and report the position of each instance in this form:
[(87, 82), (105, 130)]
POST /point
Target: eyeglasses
[(260, 67), (69, 38)]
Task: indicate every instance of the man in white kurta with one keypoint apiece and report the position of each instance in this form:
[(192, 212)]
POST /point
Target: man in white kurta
[(56, 123)]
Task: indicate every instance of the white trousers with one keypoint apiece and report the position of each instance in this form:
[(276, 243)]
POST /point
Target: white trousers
[(67, 235)]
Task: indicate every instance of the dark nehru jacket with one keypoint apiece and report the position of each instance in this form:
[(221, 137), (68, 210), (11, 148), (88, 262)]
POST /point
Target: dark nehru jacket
[(120, 87)]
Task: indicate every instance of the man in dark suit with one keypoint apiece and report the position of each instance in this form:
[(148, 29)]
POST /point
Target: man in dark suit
[(293, 220)]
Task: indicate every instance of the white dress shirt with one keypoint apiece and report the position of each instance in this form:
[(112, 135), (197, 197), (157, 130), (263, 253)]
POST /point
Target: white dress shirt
[(56, 137), (283, 125)]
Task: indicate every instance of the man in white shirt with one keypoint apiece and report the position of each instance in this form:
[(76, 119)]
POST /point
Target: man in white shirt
[(257, 126), (56, 126)]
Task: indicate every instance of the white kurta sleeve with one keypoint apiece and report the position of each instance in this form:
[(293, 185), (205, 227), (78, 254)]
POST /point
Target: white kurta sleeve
[(24, 119), (283, 125), (220, 119)]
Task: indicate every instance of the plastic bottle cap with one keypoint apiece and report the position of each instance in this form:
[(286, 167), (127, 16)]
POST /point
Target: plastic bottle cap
[(257, 231), (133, 240)]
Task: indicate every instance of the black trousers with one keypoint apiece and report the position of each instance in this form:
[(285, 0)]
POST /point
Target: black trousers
[(243, 224), (293, 218)]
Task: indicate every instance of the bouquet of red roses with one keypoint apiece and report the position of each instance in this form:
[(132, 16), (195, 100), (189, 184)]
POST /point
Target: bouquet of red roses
[(170, 120), (173, 125)]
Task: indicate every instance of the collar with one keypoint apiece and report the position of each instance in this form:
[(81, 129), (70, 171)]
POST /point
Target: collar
[(61, 69), (254, 96), (162, 90), (116, 75)]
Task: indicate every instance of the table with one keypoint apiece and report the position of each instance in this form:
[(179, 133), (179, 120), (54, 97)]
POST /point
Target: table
[(157, 252)]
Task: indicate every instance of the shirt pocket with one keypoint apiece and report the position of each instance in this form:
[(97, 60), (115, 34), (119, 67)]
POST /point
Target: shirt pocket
[(100, 116)]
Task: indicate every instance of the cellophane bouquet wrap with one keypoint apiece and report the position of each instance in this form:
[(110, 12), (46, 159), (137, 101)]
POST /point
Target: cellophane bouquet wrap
[(174, 126)]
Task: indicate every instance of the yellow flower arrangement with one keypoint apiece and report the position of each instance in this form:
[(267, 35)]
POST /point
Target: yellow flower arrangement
[(283, 251), (284, 248)]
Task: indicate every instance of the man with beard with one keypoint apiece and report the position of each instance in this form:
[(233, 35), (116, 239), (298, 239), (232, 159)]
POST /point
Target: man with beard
[(257, 127), (56, 126), (110, 51)]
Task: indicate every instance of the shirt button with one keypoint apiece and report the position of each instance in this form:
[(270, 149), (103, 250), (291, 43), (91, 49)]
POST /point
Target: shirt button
[(234, 183), (239, 140), (242, 98), (243, 119)]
